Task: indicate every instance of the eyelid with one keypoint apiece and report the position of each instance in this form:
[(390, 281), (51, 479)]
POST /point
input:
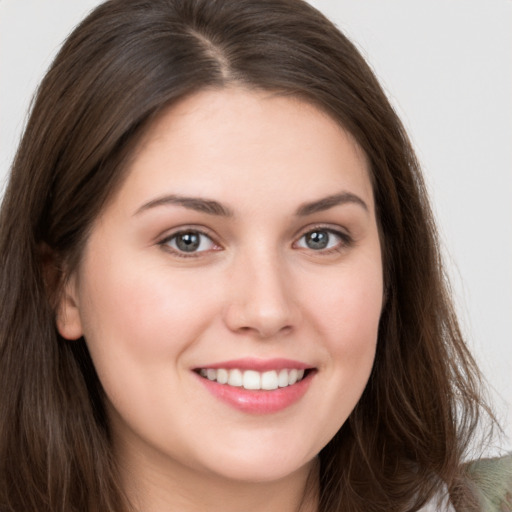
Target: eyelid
[(163, 240), (346, 239)]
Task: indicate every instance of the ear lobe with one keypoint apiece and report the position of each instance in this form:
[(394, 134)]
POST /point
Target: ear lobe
[(68, 320)]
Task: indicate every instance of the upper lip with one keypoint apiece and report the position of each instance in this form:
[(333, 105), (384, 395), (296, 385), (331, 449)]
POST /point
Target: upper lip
[(261, 365)]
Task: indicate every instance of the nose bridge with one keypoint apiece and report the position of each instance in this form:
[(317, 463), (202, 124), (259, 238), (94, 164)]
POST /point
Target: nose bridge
[(261, 300)]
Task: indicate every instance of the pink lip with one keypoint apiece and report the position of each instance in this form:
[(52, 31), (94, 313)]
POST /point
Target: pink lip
[(259, 401), (260, 365)]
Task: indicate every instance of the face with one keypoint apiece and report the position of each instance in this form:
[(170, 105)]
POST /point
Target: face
[(230, 292)]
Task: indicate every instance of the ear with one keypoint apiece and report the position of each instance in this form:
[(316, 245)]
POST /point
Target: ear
[(62, 291), (68, 319)]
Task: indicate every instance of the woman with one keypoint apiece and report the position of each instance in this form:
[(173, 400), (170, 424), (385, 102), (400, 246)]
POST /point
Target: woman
[(220, 278)]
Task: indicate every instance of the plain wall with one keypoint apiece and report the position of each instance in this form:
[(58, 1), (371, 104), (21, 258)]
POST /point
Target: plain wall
[(447, 68)]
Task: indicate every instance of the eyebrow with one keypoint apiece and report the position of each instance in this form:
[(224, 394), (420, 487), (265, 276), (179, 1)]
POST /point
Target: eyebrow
[(330, 202), (213, 207), (199, 204)]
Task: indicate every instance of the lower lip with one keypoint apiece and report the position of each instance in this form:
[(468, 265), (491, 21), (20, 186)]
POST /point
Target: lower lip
[(259, 401)]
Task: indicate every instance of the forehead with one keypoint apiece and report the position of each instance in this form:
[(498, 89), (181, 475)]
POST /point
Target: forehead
[(253, 141)]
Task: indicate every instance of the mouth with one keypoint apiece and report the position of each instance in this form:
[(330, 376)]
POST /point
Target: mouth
[(256, 386), (255, 380)]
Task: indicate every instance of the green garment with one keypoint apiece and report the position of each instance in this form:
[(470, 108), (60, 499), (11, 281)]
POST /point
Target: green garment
[(492, 481)]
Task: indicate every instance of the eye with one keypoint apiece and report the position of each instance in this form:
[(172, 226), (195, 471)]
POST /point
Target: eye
[(322, 239), (190, 241)]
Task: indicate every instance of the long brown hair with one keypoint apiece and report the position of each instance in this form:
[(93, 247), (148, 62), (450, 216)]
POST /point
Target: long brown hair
[(128, 60)]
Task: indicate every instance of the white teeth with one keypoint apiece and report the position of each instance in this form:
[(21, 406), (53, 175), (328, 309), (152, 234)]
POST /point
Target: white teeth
[(222, 376), (252, 379), (282, 380), (235, 378), (269, 380)]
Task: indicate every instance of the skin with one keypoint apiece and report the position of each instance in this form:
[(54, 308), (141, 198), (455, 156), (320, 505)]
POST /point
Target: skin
[(254, 288)]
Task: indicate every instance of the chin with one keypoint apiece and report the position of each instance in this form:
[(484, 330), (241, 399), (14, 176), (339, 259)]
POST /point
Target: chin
[(260, 467), (255, 473)]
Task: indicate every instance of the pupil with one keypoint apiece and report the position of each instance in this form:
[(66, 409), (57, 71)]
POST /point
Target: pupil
[(317, 239), (187, 242)]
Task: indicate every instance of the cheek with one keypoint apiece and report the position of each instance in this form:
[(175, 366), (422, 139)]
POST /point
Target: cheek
[(144, 312), (346, 313), (348, 308), (139, 320)]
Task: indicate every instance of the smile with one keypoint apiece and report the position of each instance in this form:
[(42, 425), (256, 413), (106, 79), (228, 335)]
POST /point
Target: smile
[(257, 386), (252, 379)]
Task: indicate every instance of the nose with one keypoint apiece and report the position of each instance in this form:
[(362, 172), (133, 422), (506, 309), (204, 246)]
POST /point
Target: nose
[(261, 301)]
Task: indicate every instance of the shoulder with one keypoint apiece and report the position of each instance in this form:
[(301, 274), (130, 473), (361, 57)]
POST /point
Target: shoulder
[(491, 480), (439, 503)]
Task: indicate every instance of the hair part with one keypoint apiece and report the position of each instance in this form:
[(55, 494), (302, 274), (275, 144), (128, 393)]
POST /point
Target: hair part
[(125, 63)]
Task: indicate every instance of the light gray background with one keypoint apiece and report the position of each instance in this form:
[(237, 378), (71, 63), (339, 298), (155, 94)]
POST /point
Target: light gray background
[(447, 67)]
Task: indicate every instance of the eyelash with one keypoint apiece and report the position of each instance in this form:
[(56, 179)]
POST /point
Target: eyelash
[(346, 241), (183, 254)]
